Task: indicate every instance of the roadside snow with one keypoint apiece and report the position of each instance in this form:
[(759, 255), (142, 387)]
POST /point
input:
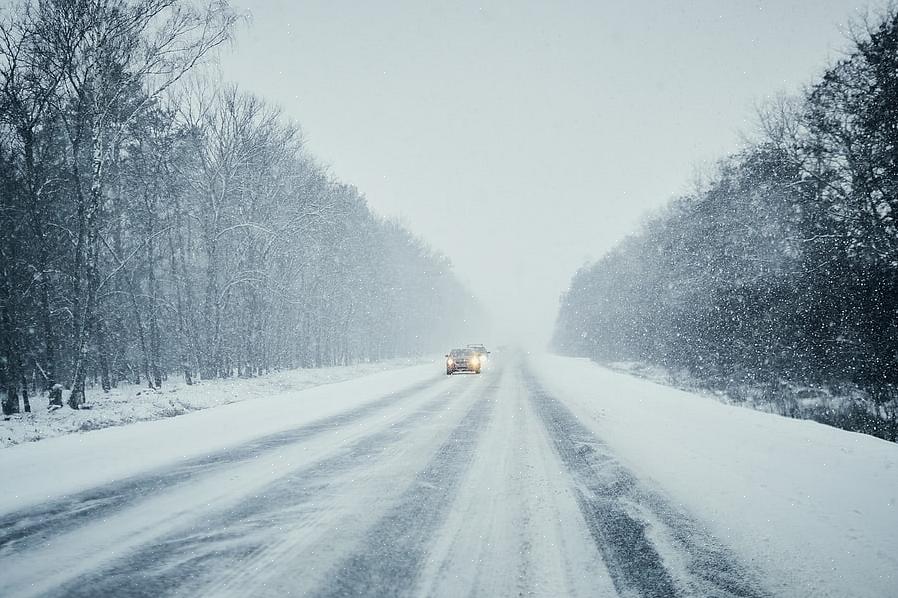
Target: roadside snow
[(36, 472), (130, 403), (815, 508)]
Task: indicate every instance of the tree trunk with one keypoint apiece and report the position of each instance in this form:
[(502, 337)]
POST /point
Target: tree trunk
[(49, 369), (155, 334), (141, 335), (38, 219), (103, 355), (56, 396), (25, 402), (155, 342), (10, 401)]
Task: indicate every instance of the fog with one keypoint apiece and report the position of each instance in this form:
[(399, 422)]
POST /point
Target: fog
[(524, 141)]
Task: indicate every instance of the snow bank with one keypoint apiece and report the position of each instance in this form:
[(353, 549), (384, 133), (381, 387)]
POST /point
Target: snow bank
[(130, 403), (843, 405), (815, 508)]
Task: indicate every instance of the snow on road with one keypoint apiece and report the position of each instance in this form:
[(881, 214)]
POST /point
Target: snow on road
[(66, 464), (514, 528), (543, 476), (814, 508)]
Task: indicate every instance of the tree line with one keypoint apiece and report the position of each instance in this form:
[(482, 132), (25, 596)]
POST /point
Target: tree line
[(155, 222), (781, 270)]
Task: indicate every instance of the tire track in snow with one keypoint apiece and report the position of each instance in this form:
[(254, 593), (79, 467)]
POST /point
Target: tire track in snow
[(651, 548), (234, 550), (22, 529), (389, 559), (514, 528)]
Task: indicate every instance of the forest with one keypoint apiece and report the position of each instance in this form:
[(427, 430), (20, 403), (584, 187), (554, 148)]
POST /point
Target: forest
[(776, 278), (159, 222)]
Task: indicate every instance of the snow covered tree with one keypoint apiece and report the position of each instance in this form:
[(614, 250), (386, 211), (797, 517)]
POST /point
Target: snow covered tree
[(157, 222), (785, 265)]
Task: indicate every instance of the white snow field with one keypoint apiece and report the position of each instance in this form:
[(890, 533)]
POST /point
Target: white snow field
[(542, 476)]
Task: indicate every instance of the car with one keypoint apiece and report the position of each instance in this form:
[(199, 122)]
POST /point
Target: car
[(462, 360)]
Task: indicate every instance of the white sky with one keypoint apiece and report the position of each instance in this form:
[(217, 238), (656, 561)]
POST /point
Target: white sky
[(524, 139)]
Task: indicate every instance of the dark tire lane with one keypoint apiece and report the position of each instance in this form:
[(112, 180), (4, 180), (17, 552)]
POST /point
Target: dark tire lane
[(635, 528), (260, 544), (390, 558), (20, 530)]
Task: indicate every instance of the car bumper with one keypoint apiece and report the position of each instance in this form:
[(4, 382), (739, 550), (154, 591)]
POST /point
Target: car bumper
[(458, 367)]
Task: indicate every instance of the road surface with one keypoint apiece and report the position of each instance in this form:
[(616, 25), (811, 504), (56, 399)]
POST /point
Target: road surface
[(466, 485)]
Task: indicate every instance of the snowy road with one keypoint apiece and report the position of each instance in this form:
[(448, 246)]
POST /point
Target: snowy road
[(467, 485)]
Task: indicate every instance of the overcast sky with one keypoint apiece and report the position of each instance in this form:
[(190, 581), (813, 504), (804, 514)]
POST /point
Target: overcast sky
[(524, 139)]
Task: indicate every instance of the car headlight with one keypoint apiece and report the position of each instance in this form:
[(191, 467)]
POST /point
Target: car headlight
[(475, 361), (450, 361)]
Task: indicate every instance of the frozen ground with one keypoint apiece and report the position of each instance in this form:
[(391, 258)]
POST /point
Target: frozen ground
[(130, 403), (543, 476)]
